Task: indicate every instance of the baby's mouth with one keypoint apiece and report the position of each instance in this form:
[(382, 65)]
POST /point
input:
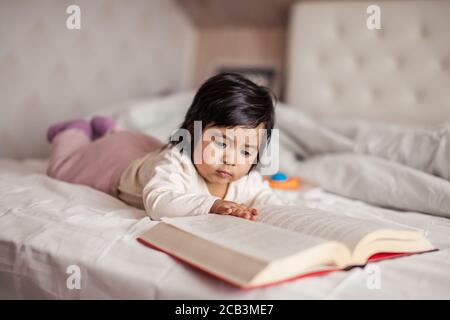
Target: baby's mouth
[(224, 174)]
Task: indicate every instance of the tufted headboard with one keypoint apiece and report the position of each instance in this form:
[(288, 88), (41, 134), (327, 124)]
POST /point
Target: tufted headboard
[(338, 68), (125, 50)]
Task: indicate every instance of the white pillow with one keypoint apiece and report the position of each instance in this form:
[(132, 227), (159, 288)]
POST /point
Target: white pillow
[(157, 117)]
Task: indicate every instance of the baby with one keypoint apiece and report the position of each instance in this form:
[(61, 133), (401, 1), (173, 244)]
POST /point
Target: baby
[(206, 167)]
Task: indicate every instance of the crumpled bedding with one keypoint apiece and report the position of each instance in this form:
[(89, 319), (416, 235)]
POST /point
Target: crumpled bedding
[(47, 226), (406, 168)]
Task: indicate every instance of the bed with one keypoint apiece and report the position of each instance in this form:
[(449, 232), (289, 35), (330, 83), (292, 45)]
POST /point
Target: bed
[(51, 231)]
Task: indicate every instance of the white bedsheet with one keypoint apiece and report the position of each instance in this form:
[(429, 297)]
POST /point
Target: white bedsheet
[(48, 225)]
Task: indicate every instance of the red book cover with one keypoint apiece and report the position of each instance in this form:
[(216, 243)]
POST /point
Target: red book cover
[(376, 257)]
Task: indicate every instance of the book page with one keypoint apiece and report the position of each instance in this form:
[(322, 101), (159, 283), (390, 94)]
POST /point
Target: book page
[(255, 239), (322, 224)]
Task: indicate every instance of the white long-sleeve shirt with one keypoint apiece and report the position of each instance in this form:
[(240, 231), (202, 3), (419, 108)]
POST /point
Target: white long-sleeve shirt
[(166, 184)]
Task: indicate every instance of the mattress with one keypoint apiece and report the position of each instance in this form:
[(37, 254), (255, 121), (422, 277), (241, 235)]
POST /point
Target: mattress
[(50, 228)]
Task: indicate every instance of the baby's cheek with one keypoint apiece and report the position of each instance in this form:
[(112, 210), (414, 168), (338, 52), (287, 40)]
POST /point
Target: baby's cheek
[(242, 171), (204, 171), (208, 153)]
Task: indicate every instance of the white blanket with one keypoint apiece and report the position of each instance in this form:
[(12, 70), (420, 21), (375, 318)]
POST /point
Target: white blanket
[(399, 167), (46, 226)]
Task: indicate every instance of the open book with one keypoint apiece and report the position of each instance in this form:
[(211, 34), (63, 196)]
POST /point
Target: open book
[(286, 242)]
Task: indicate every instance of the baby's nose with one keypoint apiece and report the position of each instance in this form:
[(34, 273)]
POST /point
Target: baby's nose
[(229, 158)]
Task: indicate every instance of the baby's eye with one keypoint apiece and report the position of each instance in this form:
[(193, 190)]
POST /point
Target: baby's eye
[(220, 144), (245, 153)]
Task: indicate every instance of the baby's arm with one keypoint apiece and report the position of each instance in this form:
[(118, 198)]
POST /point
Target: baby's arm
[(169, 193), (169, 203), (165, 203)]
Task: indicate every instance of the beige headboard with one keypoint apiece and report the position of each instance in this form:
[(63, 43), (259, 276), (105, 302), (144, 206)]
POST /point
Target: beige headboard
[(124, 50), (338, 68)]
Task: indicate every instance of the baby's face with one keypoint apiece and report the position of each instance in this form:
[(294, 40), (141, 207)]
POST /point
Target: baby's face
[(227, 154)]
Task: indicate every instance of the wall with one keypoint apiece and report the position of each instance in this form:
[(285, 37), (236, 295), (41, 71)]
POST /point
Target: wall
[(236, 33), (256, 46), (124, 50)]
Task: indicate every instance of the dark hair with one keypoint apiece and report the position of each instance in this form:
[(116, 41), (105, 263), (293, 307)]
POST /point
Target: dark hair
[(229, 100)]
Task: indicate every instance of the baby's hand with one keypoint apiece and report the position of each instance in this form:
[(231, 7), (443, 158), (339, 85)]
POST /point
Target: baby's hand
[(234, 209)]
